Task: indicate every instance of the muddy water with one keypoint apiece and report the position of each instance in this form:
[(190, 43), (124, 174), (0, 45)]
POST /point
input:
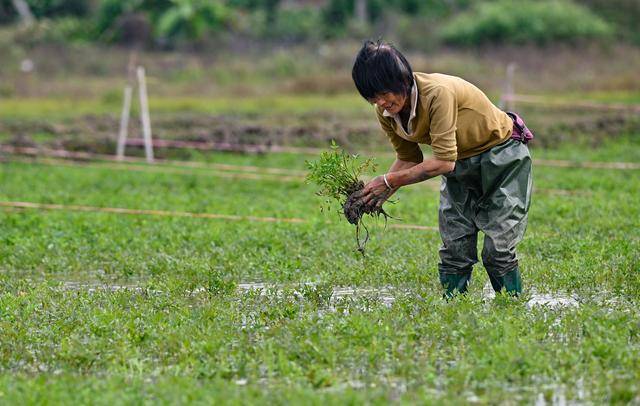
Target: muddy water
[(103, 287), (383, 294), (535, 299)]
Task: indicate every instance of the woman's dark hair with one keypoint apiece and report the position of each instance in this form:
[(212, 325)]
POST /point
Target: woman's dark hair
[(381, 68)]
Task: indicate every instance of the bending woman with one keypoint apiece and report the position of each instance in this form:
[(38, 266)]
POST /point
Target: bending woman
[(479, 150)]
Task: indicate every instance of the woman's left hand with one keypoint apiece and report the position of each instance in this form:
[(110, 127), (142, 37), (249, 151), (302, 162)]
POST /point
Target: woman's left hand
[(375, 192)]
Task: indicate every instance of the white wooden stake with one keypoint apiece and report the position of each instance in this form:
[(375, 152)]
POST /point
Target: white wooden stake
[(24, 11), (507, 101), (124, 122), (361, 11), (144, 114)]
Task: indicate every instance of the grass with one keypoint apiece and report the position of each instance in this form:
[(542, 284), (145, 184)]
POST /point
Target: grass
[(612, 97), (37, 108), (290, 104), (189, 336), (622, 149)]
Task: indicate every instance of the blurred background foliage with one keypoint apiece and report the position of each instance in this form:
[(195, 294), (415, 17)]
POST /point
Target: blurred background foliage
[(418, 24), (540, 22)]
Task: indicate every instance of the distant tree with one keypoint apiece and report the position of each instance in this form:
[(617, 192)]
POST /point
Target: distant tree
[(111, 15), (624, 14), (525, 21), (191, 19), (45, 8), (59, 8), (336, 14), (170, 20)]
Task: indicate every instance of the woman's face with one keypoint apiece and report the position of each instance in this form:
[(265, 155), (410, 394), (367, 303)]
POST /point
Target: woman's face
[(392, 102)]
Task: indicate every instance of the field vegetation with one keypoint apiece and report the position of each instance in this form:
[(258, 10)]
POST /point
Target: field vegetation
[(216, 277), (136, 305)]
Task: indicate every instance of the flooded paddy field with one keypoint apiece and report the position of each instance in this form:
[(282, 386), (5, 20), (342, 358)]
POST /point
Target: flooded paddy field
[(107, 285)]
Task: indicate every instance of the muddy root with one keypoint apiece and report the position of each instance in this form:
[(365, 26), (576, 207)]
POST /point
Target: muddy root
[(354, 212)]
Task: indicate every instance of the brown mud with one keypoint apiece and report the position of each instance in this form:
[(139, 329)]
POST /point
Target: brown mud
[(250, 134), (354, 211), (98, 134)]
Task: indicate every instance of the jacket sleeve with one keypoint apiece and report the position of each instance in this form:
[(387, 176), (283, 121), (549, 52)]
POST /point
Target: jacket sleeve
[(405, 150), (443, 117)]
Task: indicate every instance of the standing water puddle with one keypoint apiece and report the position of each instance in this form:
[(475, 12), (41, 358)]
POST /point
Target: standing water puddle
[(383, 294), (550, 300)]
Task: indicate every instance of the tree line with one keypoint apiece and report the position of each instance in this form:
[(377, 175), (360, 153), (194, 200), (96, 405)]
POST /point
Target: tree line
[(170, 23)]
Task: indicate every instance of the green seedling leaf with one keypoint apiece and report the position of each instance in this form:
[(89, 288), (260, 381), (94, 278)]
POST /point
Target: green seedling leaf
[(337, 173)]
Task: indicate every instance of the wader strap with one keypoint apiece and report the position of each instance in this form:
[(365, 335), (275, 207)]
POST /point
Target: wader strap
[(520, 131)]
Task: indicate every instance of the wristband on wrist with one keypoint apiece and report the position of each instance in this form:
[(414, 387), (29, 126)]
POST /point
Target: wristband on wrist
[(386, 182)]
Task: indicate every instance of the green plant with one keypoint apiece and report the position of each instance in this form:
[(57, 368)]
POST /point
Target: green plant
[(191, 19), (297, 25), (170, 20), (623, 14), (47, 8), (540, 22), (62, 31), (338, 175)]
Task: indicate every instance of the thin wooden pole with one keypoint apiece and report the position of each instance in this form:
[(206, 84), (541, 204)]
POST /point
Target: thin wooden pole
[(144, 114), (124, 122), (361, 11), (126, 106), (507, 100), (22, 7)]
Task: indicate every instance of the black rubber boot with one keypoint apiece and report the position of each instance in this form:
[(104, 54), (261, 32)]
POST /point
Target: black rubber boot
[(511, 282), (454, 283)]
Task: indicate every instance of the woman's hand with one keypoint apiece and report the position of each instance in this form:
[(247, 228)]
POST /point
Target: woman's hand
[(374, 193), (402, 173)]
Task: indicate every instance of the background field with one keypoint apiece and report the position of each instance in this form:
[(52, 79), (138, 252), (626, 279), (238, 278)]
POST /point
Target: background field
[(213, 276)]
